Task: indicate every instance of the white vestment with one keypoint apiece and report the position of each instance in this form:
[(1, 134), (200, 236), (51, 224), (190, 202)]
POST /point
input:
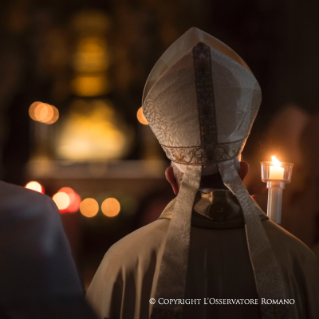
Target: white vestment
[(218, 268), (200, 101)]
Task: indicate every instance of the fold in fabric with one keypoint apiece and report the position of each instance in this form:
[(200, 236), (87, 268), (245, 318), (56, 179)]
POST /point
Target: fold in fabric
[(269, 281), (173, 270)]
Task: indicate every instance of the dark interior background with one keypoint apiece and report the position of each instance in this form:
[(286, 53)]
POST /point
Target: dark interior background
[(278, 40)]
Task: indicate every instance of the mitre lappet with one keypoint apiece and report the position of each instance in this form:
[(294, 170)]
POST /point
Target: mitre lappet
[(201, 100)]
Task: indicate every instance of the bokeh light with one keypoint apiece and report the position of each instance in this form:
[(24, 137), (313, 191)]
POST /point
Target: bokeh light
[(92, 55), (89, 207), (111, 207), (35, 186), (32, 108), (62, 200), (74, 198), (55, 116), (90, 85), (140, 116), (94, 131), (43, 112)]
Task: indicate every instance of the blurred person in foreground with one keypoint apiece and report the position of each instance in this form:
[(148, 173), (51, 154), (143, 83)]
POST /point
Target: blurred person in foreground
[(38, 277), (212, 243)]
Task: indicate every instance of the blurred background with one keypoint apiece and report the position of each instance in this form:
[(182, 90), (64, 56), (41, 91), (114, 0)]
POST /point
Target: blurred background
[(71, 81)]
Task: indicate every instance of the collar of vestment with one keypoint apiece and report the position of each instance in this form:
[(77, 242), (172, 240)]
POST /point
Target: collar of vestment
[(217, 210)]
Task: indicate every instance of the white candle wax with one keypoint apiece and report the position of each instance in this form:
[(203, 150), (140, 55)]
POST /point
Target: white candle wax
[(276, 172)]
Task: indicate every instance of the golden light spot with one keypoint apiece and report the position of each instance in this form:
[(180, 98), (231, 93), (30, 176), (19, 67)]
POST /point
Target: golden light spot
[(140, 116), (55, 116), (93, 131), (32, 108), (75, 199), (111, 207), (62, 200), (90, 85), (92, 55), (89, 207), (43, 112), (35, 186)]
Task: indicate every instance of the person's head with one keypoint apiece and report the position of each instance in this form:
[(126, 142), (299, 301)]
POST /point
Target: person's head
[(201, 100)]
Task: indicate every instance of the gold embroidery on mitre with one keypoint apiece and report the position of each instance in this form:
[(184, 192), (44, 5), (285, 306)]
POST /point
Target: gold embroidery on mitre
[(197, 155)]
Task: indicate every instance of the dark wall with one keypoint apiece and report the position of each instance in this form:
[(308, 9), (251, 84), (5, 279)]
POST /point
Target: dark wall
[(277, 39)]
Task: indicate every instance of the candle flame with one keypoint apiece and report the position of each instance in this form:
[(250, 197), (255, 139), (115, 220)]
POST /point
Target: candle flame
[(275, 161)]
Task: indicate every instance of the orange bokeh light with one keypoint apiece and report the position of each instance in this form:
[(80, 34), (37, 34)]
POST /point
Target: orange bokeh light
[(111, 207), (32, 108), (89, 207), (55, 116), (140, 116), (35, 186), (43, 112)]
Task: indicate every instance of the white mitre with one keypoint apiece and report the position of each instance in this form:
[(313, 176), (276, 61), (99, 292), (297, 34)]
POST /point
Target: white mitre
[(201, 100)]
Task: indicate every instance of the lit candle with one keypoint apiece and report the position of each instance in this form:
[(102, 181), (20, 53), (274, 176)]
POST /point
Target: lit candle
[(276, 175), (276, 171)]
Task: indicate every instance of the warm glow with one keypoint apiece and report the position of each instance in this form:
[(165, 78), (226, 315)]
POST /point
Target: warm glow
[(275, 161), (43, 112), (89, 207), (111, 207), (276, 172), (55, 116), (62, 200), (90, 85), (35, 186), (31, 110), (93, 131), (140, 116), (74, 198), (92, 55)]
